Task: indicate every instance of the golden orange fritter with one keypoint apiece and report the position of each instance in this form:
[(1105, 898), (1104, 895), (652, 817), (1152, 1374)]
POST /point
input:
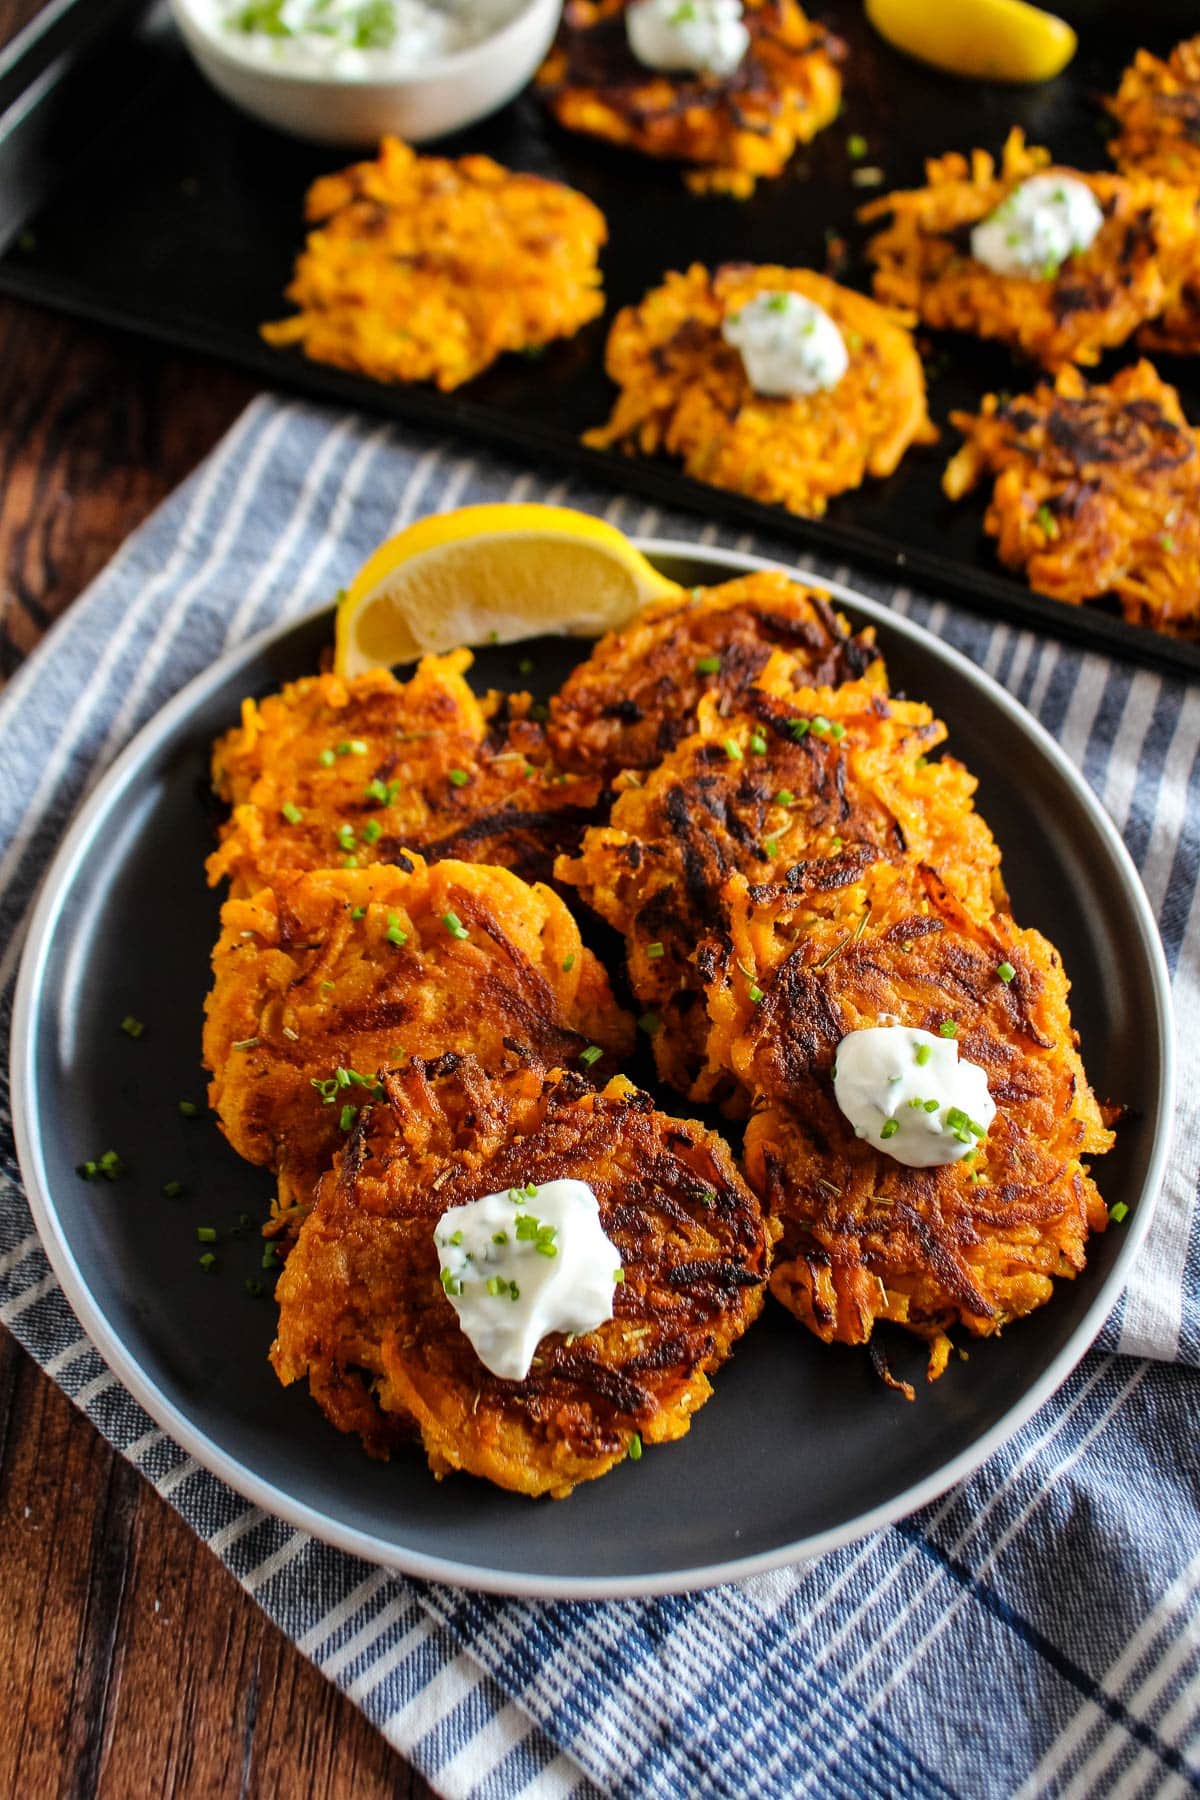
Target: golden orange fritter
[(335, 773), (791, 781), (1134, 269), (636, 695), (685, 391), (322, 978), (1097, 491), (1157, 109), (363, 1314), (734, 128), (424, 269), (977, 1242)]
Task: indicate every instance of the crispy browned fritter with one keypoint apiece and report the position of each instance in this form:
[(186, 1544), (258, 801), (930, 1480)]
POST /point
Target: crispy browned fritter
[(1132, 272), (1157, 109), (685, 391), (364, 1317), (420, 268), (1097, 491), (789, 781), (342, 773), (976, 1243), (733, 128), (636, 695), (355, 969)]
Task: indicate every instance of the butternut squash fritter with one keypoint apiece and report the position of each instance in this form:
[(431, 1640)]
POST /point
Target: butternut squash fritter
[(1132, 272), (363, 1315), (636, 695), (976, 1243), (797, 776), (350, 970), (332, 773), (424, 269), (735, 128), (685, 392), (1157, 109), (1097, 491)]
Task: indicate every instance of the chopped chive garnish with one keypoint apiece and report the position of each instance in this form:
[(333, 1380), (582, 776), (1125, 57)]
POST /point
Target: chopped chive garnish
[(708, 665), (758, 743), (931, 1106), (956, 1118), (1167, 542), (454, 925), (531, 1190), (132, 1027), (756, 993), (545, 1248), (772, 846), (496, 1286), (347, 1117), (837, 730), (856, 146), (591, 1055), (395, 934), (527, 1228), (350, 862), (649, 1023), (916, 1101), (1047, 521), (784, 797), (733, 750), (820, 723), (291, 812), (253, 1288), (357, 747), (245, 1043), (525, 666), (172, 1190), (188, 1108), (456, 1237), (450, 1283), (654, 951), (948, 1028), (889, 1128), (568, 963), (799, 728), (922, 1054), (270, 1257), (499, 1237), (383, 793), (1006, 971), (208, 1261), (635, 1448), (327, 759), (1118, 1211), (459, 777), (372, 831), (327, 987), (346, 837), (206, 1234), (618, 1277), (358, 912)]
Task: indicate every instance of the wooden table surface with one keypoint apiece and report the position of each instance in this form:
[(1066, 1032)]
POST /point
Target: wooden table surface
[(131, 1663)]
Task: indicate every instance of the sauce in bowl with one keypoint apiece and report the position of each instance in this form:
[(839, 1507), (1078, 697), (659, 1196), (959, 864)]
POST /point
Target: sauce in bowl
[(378, 40)]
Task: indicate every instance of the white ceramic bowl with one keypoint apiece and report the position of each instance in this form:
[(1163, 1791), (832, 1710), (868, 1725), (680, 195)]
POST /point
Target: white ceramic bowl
[(328, 108)]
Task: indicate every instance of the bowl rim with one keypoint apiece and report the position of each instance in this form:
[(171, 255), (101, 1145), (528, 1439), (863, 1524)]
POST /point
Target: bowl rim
[(457, 62), (364, 1544)]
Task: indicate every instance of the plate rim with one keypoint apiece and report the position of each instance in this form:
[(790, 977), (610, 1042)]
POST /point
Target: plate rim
[(530, 1585)]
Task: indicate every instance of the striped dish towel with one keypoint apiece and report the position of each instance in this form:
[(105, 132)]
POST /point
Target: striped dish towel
[(1036, 1631)]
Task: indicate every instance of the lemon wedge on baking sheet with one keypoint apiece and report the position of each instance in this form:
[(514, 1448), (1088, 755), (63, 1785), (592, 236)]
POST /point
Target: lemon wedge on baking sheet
[(491, 575), (993, 40)]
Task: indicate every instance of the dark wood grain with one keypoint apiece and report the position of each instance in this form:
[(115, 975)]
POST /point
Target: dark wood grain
[(131, 1663)]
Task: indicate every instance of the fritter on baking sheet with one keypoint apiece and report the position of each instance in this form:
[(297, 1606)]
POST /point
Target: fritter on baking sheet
[(341, 773), (1157, 109), (734, 128), (636, 695), (364, 1316), (352, 970), (685, 390), (424, 269), (977, 1242), (793, 778), (1132, 271), (1097, 491)]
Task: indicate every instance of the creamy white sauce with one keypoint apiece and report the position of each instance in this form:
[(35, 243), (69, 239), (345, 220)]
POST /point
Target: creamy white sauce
[(1041, 223), (693, 36), (911, 1095), (378, 39), (788, 345), (519, 1264)]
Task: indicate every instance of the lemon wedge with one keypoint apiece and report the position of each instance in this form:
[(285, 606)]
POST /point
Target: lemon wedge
[(491, 575), (993, 40)]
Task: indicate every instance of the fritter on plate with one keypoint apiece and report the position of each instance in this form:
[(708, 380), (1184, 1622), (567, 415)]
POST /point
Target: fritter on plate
[(685, 391), (321, 979), (364, 1316), (1157, 109), (975, 1243), (1133, 270), (342, 773), (791, 781), (636, 695), (424, 269), (734, 128), (1097, 491)]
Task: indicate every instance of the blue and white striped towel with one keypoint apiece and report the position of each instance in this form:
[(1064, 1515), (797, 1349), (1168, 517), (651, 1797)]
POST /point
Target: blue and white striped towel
[(1037, 1631)]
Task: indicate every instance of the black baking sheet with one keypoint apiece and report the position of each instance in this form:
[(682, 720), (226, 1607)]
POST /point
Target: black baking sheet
[(132, 194)]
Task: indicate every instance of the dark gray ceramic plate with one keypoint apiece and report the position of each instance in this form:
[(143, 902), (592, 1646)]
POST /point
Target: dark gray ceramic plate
[(800, 1449)]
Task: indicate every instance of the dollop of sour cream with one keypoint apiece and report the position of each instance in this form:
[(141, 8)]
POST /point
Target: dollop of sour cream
[(698, 36), (911, 1095), (788, 345), (1037, 227), (379, 39), (521, 1263)]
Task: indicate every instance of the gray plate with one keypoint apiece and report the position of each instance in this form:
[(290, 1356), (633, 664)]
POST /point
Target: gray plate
[(801, 1447)]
